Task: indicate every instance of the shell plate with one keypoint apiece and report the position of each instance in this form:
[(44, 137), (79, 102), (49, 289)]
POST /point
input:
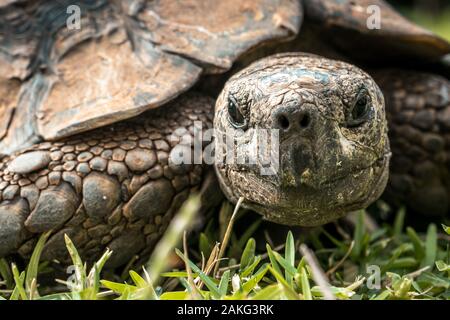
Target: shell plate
[(61, 76)]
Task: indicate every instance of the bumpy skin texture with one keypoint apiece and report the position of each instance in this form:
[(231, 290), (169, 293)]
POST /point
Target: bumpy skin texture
[(327, 166), (113, 187), (418, 111)]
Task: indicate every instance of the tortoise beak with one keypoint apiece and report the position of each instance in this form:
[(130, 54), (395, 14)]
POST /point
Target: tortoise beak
[(297, 162)]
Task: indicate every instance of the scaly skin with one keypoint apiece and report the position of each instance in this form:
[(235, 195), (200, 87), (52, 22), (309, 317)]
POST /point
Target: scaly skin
[(418, 111), (112, 187), (328, 166)]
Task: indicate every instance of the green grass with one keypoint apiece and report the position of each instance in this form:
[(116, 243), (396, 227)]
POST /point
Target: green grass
[(439, 24), (317, 265)]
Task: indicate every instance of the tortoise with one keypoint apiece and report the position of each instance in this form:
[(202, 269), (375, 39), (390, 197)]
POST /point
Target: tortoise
[(96, 116)]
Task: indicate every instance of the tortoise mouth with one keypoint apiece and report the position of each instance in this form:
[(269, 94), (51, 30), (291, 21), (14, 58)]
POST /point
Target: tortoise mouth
[(292, 180), (292, 211), (379, 162), (382, 163)]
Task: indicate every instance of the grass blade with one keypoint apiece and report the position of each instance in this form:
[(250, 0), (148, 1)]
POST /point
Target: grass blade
[(137, 279), (223, 285), (119, 288), (19, 279), (446, 229), (6, 274), (255, 279), (249, 253), (358, 236), (174, 295), (289, 269), (271, 292), (317, 273), (33, 264), (204, 244), (249, 270), (273, 260), (227, 235), (288, 291), (248, 233), (399, 221), (80, 269), (430, 246), (419, 250), (306, 288), (289, 256)]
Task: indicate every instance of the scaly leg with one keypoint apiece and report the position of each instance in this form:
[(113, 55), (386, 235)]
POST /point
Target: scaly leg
[(113, 187)]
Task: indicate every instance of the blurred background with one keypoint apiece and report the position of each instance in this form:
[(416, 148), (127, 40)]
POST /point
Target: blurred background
[(432, 14)]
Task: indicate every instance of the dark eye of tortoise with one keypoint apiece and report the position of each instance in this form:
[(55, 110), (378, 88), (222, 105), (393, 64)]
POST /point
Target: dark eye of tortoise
[(235, 117), (361, 110)]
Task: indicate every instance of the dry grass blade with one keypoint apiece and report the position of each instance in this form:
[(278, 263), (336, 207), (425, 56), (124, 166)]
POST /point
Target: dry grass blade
[(317, 273), (226, 211), (33, 289), (210, 264), (417, 273), (212, 260), (347, 254), (227, 235)]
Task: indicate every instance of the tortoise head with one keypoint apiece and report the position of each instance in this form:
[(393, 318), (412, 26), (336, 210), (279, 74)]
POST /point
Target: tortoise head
[(302, 139)]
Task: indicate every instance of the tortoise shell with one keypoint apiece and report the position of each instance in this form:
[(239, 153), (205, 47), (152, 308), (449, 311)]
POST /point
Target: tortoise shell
[(352, 27), (59, 78)]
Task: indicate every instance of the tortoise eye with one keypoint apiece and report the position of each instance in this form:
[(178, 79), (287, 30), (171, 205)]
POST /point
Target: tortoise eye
[(235, 116), (361, 110)]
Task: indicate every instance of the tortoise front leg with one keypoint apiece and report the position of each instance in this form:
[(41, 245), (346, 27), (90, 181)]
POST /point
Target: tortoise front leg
[(113, 187), (418, 109)]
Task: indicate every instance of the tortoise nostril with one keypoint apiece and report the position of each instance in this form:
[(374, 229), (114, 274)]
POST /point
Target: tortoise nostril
[(304, 120), (283, 122), (293, 119)]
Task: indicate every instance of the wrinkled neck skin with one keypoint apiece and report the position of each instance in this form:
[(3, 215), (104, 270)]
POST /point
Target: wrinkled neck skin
[(303, 153)]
